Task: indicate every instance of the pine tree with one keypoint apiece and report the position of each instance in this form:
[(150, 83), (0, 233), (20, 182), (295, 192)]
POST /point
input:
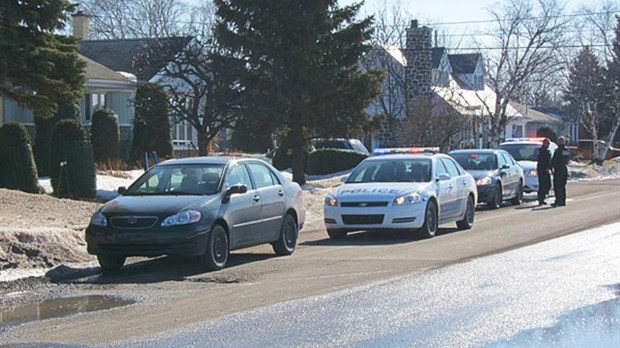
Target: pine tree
[(151, 126), (585, 91), (38, 69), (298, 63)]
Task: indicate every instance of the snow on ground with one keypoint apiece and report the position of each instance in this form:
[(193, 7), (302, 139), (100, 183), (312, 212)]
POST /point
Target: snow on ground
[(39, 232)]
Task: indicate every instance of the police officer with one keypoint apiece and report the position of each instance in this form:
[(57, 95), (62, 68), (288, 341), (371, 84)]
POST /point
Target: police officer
[(542, 168), (559, 164)]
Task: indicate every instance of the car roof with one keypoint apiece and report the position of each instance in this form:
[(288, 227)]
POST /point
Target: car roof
[(402, 156), (477, 151), (202, 160)]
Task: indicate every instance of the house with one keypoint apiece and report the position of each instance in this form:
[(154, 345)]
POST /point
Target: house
[(103, 88), (145, 58), (454, 83)]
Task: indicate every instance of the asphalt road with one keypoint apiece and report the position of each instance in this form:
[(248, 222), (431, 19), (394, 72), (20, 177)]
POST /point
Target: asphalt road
[(173, 295)]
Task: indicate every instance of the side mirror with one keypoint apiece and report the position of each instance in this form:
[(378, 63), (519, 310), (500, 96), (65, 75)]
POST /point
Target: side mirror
[(236, 189), (344, 178), (121, 190), (443, 177)]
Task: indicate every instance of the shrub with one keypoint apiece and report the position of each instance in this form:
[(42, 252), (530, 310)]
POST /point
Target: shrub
[(151, 126), (45, 128), (327, 161), (17, 165), (105, 135), (73, 166)]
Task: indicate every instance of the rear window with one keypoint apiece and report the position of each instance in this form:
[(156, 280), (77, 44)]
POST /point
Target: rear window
[(522, 152), (475, 161)]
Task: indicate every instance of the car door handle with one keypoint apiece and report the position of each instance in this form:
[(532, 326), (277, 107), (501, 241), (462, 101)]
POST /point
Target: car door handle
[(280, 193), (256, 198)]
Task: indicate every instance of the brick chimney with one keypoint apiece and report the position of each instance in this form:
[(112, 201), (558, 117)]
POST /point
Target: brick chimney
[(418, 51), (80, 25)]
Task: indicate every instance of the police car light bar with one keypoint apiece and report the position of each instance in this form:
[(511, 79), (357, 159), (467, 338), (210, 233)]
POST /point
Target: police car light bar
[(404, 150), (540, 140)]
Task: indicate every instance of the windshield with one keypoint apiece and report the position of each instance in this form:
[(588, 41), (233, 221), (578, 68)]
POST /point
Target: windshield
[(187, 179), (476, 161), (392, 170), (522, 152)]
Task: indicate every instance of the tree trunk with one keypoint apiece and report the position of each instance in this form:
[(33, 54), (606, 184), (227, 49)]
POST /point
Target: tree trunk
[(203, 144), (610, 137), (297, 156)]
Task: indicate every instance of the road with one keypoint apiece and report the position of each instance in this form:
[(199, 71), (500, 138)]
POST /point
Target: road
[(172, 294)]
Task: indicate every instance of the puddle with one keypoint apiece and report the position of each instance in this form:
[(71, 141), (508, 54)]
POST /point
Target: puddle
[(60, 307)]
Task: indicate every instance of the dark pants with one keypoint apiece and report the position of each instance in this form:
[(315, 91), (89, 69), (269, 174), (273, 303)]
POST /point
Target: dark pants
[(544, 184), (559, 185)]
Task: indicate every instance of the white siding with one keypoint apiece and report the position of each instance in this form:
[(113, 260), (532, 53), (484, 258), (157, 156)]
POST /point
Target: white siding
[(13, 112), (122, 104)]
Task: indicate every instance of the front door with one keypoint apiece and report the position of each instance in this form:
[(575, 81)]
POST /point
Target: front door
[(244, 209)]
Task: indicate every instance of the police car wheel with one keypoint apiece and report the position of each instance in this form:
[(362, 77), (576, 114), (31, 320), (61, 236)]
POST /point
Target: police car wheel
[(429, 228)]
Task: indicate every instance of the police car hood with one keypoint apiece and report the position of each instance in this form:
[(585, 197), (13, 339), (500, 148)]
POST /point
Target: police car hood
[(375, 191)]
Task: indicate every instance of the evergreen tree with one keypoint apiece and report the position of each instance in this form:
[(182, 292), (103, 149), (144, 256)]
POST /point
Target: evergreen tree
[(585, 91), (38, 69), (298, 64), (151, 126)]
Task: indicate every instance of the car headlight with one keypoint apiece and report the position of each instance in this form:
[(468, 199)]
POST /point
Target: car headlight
[(183, 218), (98, 219), (331, 201), (484, 181), (532, 172), (409, 198)]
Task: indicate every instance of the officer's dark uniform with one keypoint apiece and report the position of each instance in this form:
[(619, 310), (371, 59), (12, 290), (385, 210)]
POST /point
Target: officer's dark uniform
[(544, 179), (560, 174)]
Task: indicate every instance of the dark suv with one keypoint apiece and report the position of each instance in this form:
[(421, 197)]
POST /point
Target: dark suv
[(339, 143)]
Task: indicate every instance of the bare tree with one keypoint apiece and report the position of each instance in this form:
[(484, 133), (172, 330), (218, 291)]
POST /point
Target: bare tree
[(113, 19), (529, 35), (596, 27)]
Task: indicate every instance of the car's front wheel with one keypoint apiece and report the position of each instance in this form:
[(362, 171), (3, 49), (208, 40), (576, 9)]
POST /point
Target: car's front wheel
[(216, 255), (336, 234), (468, 217), (285, 245), (429, 228), (496, 200), (110, 264)]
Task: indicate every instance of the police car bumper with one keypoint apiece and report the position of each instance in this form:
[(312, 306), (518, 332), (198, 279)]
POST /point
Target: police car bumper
[(391, 217), (531, 184)]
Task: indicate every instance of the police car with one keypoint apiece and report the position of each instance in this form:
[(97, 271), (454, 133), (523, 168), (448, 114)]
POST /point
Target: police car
[(414, 189), (525, 152)]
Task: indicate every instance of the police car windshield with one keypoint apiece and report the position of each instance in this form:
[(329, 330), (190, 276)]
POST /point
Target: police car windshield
[(392, 170)]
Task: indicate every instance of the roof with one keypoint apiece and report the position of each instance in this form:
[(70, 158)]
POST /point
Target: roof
[(464, 63), (96, 71), (533, 114), (436, 54), (476, 151), (126, 54)]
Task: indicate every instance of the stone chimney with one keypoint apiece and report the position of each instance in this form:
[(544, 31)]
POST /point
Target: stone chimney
[(418, 51), (80, 25)]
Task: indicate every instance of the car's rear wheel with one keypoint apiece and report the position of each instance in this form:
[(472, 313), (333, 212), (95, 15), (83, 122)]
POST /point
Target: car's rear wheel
[(468, 217), (285, 245), (336, 234), (429, 228), (518, 196), (110, 264), (216, 255), (496, 200)]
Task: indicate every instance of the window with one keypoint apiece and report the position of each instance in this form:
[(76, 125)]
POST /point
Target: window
[(93, 102), (517, 131), (261, 174), (239, 175), (451, 167)]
